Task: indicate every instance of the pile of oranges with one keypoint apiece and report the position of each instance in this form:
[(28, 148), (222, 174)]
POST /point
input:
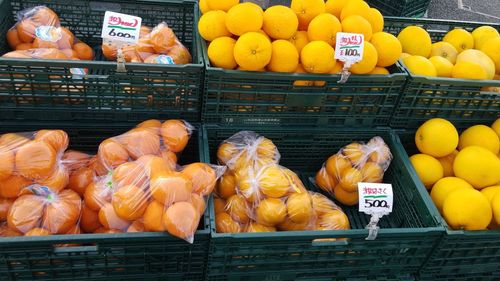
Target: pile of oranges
[(354, 163), (39, 34), (132, 184), (256, 194)]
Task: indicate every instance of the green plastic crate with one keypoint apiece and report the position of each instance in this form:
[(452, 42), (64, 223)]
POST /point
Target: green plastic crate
[(405, 239), (460, 101), (401, 8), (122, 256), (460, 255), (46, 90)]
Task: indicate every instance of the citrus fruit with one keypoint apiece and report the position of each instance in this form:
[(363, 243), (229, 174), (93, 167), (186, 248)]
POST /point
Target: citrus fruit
[(480, 135), (334, 7), (225, 224), (369, 61), (253, 51), (379, 71), (355, 153), (285, 57), (83, 51), (478, 166), (334, 220), (181, 220), (321, 204), (318, 57), (270, 212), (12, 186), (198, 202), (415, 41), (357, 24), (112, 153), (419, 65), (40, 43), (273, 182), (224, 5), (171, 187), (376, 20), (89, 220), (496, 127), (469, 70), (482, 35), (490, 191), (355, 7), (97, 194), (162, 39), (6, 231), (447, 163), (490, 48), (460, 38), (220, 52), (238, 208), (129, 173), (349, 179), (428, 169), (255, 227), (226, 186), (202, 176), (299, 207), (467, 209), (443, 66), (175, 135), (136, 226), (35, 160), (248, 185), (444, 187), (244, 17), (67, 39), (325, 181), (153, 124), (372, 172), (299, 39), (25, 213), (38, 232), (495, 205), (203, 6), (388, 48), (280, 22), (129, 202), (445, 50), (288, 225), (306, 10), (153, 166), (212, 25), (324, 27), (153, 217), (7, 157), (57, 181), (345, 197), (302, 83), (62, 211), (476, 60), (141, 141), (219, 205), (336, 164), (12, 38), (110, 219), (5, 204)]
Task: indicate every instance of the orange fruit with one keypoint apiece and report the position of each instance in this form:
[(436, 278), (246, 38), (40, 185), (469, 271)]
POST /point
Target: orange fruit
[(24, 46), (89, 221), (129, 173), (25, 213), (6, 231), (171, 187), (112, 153), (299, 207), (306, 10), (74, 230), (136, 226), (226, 152), (321, 204), (57, 181), (336, 164), (97, 195), (156, 165), (288, 225), (175, 135), (334, 220), (372, 172), (5, 204), (62, 211), (202, 176), (199, 203), (344, 197), (84, 51), (109, 219), (58, 139), (225, 224), (180, 54), (255, 227), (70, 53), (355, 153), (226, 186), (74, 160), (13, 38), (7, 163), (38, 232), (219, 205), (129, 202), (40, 43), (140, 141), (153, 217), (12, 186), (26, 30), (109, 50), (162, 38), (145, 30), (152, 124), (170, 157), (270, 212), (97, 165), (35, 160), (43, 16), (325, 181), (349, 179), (238, 208), (12, 140), (67, 39), (181, 220), (80, 179)]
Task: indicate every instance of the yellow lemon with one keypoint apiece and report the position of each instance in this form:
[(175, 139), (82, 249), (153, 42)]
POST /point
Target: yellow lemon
[(369, 61), (270, 212), (306, 10), (467, 209), (280, 22), (220, 52), (469, 70), (253, 51), (345, 197), (379, 71), (444, 187), (415, 41), (490, 191), (299, 207), (483, 34), (285, 57), (419, 65), (204, 6), (445, 50), (318, 57), (226, 186), (388, 48), (212, 25), (443, 66), (225, 224), (480, 135), (428, 169), (223, 5), (299, 39), (357, 24), (238, 208), (496, 127), (273, 181), (376, 20), (479, 58), (334, 7), (492, 49), (404, 55), (324, 27), (437, 137), (355, 7), (447, 162), (460, 38), (478, 166), (244, 17)]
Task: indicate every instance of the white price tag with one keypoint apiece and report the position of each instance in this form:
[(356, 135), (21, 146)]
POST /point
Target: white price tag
[(375, 198), (121, 27), (349, 47)]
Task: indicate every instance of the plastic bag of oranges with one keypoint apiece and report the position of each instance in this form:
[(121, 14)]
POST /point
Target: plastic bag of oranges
[(354, 163), (38, 34), (81, 170), (158, 45)]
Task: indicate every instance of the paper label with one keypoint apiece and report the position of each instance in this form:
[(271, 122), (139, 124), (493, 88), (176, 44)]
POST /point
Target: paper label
[(349, 47), (375, 198), (121, 27), (48, 33)]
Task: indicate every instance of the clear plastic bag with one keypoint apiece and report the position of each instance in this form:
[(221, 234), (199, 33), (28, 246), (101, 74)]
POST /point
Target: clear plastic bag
[(158, 45), (38, 34), (354, 163)]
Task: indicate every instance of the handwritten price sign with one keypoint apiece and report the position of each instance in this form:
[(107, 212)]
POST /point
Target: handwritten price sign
[(375, 198), (121, 27), (349, 47)]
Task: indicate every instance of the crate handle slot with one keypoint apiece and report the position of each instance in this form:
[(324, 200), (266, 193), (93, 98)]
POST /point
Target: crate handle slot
[(75, 249), (326, 242)]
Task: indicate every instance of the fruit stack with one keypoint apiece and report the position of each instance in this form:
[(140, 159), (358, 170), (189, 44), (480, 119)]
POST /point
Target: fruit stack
[(296, 39), (462, 172)]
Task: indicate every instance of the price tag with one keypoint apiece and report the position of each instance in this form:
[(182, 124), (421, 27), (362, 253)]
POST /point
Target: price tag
[(121, 27), (349, 47), (375, 199)]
